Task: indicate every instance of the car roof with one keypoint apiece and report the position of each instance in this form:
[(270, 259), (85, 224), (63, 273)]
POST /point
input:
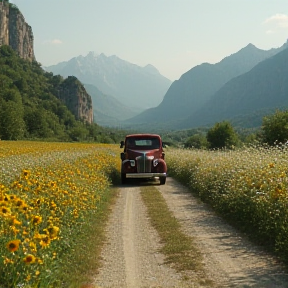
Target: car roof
[(143, 135)]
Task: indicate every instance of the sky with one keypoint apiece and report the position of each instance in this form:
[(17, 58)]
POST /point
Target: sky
[(172, 35)]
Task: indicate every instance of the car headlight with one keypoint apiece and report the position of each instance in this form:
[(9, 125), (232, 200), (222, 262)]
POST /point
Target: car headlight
[(132, 163), (155, 162)]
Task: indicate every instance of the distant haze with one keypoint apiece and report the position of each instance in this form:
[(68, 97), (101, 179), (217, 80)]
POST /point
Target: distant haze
[(173, 36)]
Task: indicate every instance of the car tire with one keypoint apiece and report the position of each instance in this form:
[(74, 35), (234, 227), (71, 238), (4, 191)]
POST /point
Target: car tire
[(123, 178), (162, 180)]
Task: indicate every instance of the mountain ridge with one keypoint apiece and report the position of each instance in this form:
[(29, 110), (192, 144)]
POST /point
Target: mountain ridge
[(264, 86), (136, 87), (195, 87)]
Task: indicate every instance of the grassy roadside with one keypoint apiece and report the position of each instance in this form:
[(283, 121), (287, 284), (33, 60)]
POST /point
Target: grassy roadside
[(86, 260), (180, 250)]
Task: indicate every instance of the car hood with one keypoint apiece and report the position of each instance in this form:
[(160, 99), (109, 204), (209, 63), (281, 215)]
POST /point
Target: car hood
[(132, 154)]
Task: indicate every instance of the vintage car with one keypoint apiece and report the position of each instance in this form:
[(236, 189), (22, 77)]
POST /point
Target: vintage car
[(143, 157)]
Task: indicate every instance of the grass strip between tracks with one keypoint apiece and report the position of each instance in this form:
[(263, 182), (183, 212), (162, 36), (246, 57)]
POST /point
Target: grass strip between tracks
[(179, 249)]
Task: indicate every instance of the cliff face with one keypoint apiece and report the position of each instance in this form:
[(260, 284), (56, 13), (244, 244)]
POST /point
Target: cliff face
[(15, 32), (75, 97)]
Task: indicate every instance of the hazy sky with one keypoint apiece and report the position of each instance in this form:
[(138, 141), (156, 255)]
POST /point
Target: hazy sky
[(172, 35)]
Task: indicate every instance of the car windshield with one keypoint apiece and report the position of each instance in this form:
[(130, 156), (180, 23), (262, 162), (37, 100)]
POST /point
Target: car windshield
[(143, 143)]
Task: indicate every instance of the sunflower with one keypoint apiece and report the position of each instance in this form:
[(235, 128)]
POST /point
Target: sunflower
[(29, 259), (24, 209), (26, 173), (36, 220), (45, 241), (19, 203), (13, 245), (5, 211), (52, 231)]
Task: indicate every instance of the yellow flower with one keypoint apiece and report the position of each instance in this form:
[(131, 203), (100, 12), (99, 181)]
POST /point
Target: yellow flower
[(12, 197), (5, 211), (45, 241), (13, 245), (52, 231), (29, 259), (33, 246), (26, 173), (24, 209), (8, 261), (19, 203), (13, 221), (36, 220), (15, 230)]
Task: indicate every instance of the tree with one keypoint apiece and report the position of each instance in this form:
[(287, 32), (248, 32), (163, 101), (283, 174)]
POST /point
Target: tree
[(78, 132), (275, 128), (12, 125), (198, 141), (222, 135)]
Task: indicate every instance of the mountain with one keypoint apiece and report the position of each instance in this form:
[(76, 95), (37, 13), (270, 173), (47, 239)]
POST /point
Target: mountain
[(107, 110), (263, 89), (136, 87), (194, 88)]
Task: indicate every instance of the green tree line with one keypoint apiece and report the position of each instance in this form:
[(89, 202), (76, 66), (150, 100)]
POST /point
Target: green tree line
[(274, 131)]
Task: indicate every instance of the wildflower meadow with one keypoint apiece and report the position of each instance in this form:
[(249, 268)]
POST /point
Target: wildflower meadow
[(49, 195), (249, 187)]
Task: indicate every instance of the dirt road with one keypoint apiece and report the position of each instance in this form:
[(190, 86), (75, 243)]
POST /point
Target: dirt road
[(131, 258)]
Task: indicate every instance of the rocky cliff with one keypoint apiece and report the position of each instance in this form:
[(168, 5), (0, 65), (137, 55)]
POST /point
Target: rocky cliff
[(15, 32), (75, 97)]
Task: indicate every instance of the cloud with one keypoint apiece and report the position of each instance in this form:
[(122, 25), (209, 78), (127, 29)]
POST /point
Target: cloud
[(53, 42), (56, 41), (278, 20)]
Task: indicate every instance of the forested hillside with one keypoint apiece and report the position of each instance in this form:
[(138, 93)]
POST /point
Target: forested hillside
[(30, 108)]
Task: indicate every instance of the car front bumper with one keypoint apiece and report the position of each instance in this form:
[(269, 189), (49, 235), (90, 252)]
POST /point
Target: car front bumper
[(145, 175)]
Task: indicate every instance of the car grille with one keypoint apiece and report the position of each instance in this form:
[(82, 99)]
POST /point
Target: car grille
[(143, 165)]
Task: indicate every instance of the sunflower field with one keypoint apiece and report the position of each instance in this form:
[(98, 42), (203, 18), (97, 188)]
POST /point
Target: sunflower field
[(49, 194), (249, 187)]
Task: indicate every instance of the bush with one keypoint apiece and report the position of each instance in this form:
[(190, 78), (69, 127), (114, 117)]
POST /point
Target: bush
[(275, 128), (222, 135), (197, 141)]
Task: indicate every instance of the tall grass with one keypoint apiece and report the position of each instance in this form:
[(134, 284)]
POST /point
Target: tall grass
[(248, 186)]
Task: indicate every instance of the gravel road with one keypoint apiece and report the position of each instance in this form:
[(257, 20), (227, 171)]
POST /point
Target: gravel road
[(131, 258)]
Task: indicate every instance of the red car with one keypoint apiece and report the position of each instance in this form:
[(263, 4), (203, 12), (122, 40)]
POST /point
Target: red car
[(143, 157)]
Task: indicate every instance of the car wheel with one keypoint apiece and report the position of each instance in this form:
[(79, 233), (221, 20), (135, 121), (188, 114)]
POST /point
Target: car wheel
[(162, 180), (123, 178)]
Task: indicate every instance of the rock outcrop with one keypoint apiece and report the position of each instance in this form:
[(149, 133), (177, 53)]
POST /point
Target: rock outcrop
[(75, 97), (15, 32)]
